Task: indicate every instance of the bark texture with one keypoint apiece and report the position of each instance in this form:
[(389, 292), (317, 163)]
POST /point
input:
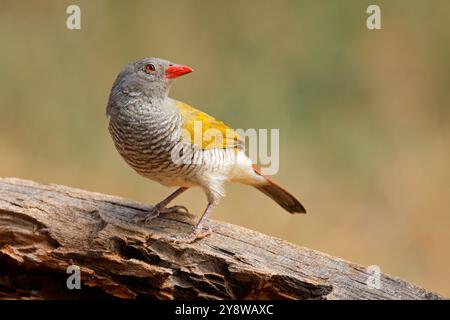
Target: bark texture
[(46, 228)]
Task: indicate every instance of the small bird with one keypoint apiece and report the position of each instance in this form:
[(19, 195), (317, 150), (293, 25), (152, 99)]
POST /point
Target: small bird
[(152, 132)]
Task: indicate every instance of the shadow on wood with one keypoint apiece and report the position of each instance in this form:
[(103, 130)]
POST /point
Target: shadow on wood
[(46, 228)]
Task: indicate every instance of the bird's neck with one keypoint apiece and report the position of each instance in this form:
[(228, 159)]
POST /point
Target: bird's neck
[(144, 107)]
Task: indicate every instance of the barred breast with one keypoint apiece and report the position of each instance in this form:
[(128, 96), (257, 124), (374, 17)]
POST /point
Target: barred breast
[(151, 142)]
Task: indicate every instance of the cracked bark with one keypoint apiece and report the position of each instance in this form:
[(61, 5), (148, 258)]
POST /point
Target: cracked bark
[(46, 228)]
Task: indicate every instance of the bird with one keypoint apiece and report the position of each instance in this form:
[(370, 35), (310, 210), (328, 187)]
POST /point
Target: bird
[(155, 135)]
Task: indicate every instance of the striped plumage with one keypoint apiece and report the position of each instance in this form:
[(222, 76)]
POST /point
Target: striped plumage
[(146, 138), (158, 137)]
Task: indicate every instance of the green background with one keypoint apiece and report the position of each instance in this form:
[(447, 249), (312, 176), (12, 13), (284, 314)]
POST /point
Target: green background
[(363, 115)]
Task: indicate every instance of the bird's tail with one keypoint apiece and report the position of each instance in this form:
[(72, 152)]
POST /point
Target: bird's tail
[(279, 195)]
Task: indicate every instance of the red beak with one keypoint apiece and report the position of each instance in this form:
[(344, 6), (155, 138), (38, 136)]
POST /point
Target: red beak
[(176, 70)]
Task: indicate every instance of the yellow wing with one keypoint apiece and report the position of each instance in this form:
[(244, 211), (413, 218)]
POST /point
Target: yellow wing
[(205, 131)]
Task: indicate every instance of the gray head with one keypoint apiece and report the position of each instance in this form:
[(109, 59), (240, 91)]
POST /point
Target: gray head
[(148, 79)]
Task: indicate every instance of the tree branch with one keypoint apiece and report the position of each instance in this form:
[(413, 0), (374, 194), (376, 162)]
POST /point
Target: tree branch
[(46, 228)]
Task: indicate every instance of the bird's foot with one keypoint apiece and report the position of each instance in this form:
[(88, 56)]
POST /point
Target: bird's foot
[(155, 211), (195, 235)]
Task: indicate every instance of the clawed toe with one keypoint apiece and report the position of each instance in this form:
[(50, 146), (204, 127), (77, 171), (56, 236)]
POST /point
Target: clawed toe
[(191, 237), (176, 209), (154, 212), (148, 216)]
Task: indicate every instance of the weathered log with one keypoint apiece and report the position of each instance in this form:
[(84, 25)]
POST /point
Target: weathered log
[(46, 228)]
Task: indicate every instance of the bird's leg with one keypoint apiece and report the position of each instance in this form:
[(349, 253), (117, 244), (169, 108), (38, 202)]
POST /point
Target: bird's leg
[(199, 226), (198, 232), (161, 207)]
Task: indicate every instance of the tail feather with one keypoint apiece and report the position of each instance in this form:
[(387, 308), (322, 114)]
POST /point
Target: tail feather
[(280, 195)]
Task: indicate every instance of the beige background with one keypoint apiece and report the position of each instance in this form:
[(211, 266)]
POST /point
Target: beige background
[(363, 115)]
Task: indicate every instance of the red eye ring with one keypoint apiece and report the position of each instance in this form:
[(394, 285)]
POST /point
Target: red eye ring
[(149, 68)]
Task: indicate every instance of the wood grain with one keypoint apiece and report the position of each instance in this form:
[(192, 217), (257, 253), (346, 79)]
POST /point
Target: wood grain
[(46, 228)]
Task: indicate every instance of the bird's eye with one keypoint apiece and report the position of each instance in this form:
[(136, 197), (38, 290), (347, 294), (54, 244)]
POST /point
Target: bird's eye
[(149, 68)]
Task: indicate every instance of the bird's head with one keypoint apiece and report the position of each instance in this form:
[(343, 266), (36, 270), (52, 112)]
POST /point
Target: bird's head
[(148, 78)]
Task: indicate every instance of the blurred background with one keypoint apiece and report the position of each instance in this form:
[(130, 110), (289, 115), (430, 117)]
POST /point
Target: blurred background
[(363, 115)]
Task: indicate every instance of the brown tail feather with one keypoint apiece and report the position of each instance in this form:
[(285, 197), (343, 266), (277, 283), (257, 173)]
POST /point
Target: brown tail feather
[(280, 196)]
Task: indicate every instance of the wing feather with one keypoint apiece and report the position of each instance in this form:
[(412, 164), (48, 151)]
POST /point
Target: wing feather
[(205, 131)]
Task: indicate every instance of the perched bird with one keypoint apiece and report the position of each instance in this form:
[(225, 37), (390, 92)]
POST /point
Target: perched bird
[(155, 135)]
